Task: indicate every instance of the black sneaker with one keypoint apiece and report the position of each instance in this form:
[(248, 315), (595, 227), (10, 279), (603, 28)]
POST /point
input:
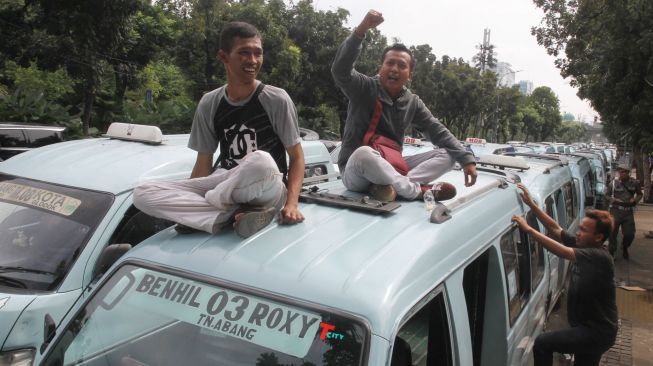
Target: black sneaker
[(626, 256), (250, 222), (442, 191), (382, 192)]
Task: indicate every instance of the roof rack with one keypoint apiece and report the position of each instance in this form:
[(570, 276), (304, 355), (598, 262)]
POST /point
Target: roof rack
[(442, 212), (556, 161), (503, 161)]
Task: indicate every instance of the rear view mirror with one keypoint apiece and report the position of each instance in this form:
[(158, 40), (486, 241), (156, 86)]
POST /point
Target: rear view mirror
[(108, 257), (49, 330)]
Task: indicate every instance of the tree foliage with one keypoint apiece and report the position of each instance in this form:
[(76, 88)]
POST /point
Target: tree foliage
[(606, 48), (97, 60)]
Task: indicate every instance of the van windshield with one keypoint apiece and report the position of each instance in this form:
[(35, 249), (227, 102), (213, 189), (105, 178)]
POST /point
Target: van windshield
[(43, 228), (147, 317)]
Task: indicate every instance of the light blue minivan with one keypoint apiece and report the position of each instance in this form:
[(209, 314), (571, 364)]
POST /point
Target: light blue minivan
[(460, 285)]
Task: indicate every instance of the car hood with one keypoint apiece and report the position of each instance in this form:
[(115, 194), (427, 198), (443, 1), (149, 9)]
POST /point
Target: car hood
[(11, 306)]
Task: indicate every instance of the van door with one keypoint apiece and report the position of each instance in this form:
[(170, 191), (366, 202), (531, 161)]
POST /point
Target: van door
[(425, 338)]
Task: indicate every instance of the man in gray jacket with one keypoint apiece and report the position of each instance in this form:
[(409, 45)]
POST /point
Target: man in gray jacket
[(363, 169)]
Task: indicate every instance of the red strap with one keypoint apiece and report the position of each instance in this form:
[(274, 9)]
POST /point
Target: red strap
[(376, 116)]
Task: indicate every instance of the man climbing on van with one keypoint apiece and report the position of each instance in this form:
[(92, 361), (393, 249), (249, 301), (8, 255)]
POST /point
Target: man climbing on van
[(380, 109), (623, 194), (591, 303), (254, 125)]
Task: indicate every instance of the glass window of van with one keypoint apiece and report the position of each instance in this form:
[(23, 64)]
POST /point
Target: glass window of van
[(536, 253), (561, 209), (43, 229), (516, 269), (142, 316), (12, 138), (424, 340), (569, 203), (40, 138)]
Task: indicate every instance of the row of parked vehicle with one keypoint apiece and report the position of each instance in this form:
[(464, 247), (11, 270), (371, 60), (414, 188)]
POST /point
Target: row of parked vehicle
[(86, 278)]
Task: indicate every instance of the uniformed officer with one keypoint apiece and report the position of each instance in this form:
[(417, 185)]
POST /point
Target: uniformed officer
[(623, 194)]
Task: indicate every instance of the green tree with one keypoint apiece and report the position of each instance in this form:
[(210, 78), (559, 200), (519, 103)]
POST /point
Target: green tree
[(606, 48), (547, 106)]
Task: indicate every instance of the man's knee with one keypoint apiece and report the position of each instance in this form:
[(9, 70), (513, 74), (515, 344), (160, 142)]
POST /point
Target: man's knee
[(364, 155), (259, 164)]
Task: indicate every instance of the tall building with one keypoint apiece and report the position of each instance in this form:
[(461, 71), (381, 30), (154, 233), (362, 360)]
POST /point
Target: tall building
[(505, 74), (525, 87)]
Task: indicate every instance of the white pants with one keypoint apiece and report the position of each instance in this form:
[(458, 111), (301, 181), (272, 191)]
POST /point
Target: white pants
[(366, 166), (207, 203)]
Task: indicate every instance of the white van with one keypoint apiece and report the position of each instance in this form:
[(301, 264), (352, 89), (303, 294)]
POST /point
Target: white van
[(459, 286)]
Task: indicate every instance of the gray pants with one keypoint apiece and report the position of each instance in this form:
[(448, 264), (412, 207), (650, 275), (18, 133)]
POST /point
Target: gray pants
[(208, 203), (366, 166)]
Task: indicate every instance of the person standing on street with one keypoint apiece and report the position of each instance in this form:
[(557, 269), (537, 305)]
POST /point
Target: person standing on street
[(383, 105), (254, 125), (591, 302), (623, 195)]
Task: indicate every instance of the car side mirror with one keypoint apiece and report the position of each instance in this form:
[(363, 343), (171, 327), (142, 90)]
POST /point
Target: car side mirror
[(589, 201), (49, 331), (109, 256)]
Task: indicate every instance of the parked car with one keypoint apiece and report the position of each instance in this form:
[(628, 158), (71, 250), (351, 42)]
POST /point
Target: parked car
[(16, 138)]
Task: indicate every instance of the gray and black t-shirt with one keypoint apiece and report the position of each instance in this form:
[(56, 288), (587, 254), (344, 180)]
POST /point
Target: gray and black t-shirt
[(276, 103)]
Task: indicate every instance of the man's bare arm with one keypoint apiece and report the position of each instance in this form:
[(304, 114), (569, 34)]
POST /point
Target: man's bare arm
[(203, 165), (290, 214)]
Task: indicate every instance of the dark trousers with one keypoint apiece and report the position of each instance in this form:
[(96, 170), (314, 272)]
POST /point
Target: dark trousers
[(626, 220), (580, 341)]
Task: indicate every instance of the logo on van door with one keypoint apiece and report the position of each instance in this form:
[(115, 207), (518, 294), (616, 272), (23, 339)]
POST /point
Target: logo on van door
[(328, 334)]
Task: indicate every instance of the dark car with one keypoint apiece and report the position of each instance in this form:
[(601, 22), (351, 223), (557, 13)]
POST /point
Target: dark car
[(16, 138)]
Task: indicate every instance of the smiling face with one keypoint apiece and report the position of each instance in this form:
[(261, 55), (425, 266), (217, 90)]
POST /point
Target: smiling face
[(395, 72), (243, 61)]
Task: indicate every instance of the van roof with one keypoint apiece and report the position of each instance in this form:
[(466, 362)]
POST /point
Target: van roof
[(376, 266), (104, 164)]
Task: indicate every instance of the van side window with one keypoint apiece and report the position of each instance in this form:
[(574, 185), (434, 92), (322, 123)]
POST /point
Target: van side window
[(12, 138), (486, 308), (425, 339), (570, 203), (516, 269), (548, 205), (537, 253), (575, 195), (40, 138), (137, 226), (561, 209)]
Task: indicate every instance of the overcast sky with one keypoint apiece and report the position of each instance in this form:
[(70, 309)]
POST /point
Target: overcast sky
[(455, 28)]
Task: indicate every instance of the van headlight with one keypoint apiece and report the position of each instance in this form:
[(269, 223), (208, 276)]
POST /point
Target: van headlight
[(19, 357)]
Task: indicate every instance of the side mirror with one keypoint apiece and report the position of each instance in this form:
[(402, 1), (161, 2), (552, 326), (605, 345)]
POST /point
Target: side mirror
[(109, 256), (49, 331), (589, 201)]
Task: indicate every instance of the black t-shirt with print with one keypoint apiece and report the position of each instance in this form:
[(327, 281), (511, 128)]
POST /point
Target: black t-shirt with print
[(592, 298)]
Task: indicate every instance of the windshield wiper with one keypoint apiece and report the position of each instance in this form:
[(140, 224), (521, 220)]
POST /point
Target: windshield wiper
[(4, 269), (12, 282)]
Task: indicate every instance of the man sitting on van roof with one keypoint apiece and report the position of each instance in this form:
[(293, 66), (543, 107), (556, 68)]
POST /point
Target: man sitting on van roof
[(591, 305), (254, 125), (385, 108)]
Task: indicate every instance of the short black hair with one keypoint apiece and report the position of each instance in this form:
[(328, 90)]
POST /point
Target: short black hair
[(401, 48), (236, 29), (604, 222)]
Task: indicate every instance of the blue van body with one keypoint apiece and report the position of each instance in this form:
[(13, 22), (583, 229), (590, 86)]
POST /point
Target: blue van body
[(468, 288)]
